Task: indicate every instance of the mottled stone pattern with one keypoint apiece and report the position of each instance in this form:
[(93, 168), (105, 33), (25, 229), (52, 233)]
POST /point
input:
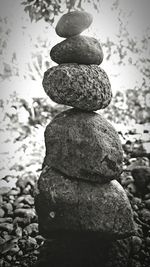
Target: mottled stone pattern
[(78, 49), (86, 87), (73, 23), (78, 206), (83, 145)]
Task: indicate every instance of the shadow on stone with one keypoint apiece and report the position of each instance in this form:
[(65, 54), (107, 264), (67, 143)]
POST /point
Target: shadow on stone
[(87, 251)]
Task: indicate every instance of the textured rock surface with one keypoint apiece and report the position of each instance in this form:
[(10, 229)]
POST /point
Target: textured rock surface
[(85, 87), (73, 23), (84, 252), (78, 49), (65, 205), (83, 145)]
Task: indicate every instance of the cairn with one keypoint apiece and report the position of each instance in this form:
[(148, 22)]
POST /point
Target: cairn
[(83, 211)]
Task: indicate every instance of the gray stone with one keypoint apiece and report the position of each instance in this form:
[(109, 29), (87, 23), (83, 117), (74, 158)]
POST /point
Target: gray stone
[(6, 227), (73, 23), (141, 175), (31, 229), (83, 145), (147, 202), (85, 87), (136, 244), (74, 206), (78, 49), (2, 213), (23, 212), (145, 215)]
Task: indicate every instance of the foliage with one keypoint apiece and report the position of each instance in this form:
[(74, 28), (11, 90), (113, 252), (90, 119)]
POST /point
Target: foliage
[(32, 63), (49, 9), (129, 107), (124, 51)]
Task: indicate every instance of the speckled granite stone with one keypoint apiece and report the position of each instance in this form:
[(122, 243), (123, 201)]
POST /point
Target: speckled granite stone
[(77, 206), (78, 49), (85, 87), (73, 23), (83, 145)]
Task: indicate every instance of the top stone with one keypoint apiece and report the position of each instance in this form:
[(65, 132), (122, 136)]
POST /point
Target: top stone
[(73, 23)]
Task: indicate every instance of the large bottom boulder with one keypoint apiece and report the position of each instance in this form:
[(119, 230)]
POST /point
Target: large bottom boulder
[(90, 251), (78, 207)]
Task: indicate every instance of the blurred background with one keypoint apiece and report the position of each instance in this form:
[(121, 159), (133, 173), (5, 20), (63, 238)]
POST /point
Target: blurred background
[(27, 33)]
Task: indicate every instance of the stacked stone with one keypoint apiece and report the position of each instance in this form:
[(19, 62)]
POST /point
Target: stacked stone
[(80, 203)]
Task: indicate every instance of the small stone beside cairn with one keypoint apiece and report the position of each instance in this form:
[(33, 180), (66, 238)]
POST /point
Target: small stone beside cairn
[(83, 211)]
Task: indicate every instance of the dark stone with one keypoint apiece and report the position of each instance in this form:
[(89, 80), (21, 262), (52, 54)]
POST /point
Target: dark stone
[(84, 252), (136, 244), (73, 23), (78, 207), (83, 145), (85, 87), (141, 175), (78, 49), (145, 215)]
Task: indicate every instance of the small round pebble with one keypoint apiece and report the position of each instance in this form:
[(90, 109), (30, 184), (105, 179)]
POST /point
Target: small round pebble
[(145, 215), (6, 227), (147, 203), (9, 208), (2, 212), (31, 229), (1, 200), (131, 188), (136, 244), (141, 175), (73, 23)]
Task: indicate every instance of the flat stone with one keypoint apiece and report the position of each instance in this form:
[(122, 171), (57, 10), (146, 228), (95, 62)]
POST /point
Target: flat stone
[(77, 206), (83, 145), (78, 49), (86, 87), (73, 23), (6, 227)]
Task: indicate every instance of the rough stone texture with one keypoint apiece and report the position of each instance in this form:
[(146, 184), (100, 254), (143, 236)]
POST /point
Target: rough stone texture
[(73, 23), (85, 87), (83, 145), (78, 207), (78, 49), (84, 252)]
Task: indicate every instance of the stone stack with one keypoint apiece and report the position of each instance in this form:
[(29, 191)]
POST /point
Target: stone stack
[(81, 206)]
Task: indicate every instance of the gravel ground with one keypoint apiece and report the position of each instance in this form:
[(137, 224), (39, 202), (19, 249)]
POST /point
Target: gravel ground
[(19, 238), (20, 241)]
